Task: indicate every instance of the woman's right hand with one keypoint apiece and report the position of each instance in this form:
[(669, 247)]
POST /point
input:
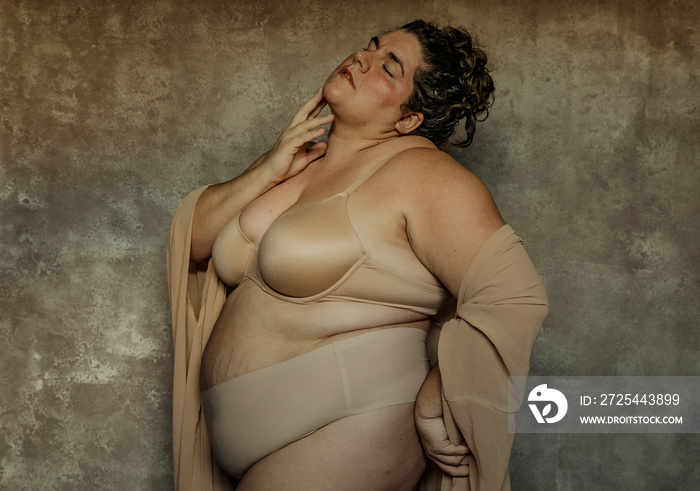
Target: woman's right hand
[(293, 151), (290, 155)]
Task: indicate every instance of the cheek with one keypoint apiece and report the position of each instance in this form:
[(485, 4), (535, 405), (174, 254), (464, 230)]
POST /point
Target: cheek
[(386, 93)]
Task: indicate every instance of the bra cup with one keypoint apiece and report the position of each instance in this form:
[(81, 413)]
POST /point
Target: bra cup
[(307, 251), (230, 253)]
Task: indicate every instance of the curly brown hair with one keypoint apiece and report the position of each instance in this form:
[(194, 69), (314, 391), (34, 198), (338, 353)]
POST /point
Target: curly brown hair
[(452, 84)]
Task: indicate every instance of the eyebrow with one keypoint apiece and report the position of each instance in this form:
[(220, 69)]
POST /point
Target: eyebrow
[(392, 55)]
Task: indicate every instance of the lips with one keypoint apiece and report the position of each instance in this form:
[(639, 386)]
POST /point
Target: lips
[(347, 75)]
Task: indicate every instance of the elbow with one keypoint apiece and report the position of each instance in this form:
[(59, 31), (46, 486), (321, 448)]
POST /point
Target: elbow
[(199, 252)]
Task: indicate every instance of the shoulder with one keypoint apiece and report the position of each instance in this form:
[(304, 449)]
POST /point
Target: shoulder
[(448, 211), (431, 178)]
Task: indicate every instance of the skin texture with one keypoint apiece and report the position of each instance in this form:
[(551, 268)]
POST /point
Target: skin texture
[(406, 216)]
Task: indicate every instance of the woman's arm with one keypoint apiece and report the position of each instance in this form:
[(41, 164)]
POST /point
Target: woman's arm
[(290, 155), (450, 457), (449, 215), (457, 232)]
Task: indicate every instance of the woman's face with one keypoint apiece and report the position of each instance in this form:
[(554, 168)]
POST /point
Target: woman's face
[(371, 84)]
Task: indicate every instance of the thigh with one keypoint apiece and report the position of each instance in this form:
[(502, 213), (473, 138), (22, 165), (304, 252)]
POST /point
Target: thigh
[(376, 450)]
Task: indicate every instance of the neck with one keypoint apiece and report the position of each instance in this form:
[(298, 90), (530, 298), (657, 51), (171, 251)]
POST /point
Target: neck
[(346, 145)]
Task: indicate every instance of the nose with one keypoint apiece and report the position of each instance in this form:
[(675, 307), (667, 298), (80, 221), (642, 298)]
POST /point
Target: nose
[(363, 59)]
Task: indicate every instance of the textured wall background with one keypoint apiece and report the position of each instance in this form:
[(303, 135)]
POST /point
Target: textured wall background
[(112, 111)]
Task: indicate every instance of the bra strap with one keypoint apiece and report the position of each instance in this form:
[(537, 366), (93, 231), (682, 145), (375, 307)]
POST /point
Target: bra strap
[(365, 176)]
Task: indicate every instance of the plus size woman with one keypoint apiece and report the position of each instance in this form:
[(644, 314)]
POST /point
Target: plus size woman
[(304, 289)]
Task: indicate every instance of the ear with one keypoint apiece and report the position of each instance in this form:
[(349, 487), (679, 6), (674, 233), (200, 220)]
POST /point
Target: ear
[(409, 122)]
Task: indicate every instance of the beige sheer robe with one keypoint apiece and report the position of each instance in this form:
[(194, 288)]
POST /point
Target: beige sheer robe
[(501, 306)]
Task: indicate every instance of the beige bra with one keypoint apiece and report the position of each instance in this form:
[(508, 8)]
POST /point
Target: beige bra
[(313, 253)]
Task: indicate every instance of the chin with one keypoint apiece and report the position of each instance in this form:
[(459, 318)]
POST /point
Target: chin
[(332, 92)]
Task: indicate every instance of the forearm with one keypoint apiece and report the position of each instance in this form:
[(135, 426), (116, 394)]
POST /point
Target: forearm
[(429, 399), (221, 202)]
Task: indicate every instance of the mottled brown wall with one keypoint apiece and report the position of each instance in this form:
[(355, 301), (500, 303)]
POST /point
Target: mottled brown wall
[(111, 111)]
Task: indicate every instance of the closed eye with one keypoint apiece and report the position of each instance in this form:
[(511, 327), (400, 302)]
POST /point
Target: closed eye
[(374, 45)]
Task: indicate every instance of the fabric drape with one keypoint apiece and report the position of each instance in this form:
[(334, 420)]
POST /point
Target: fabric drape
[(196, 298)]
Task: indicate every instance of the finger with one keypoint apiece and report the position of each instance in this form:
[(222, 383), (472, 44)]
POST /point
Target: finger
[(311, 153), (452, 460), (461, 471), (319, 106), (452, 449), (316, 151), (292, 143), (317, 110), (444, 446), (306, 108), (452, 470), (309, 125)]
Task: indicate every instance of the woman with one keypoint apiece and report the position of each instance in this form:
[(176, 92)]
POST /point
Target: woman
[(336, 256)]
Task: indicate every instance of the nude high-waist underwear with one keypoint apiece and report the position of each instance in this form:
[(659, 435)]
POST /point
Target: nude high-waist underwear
[(251, 416)]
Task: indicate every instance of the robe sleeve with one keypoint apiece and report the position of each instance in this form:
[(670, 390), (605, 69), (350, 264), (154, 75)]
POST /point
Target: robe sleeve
[(500, 309), (196, 298)]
